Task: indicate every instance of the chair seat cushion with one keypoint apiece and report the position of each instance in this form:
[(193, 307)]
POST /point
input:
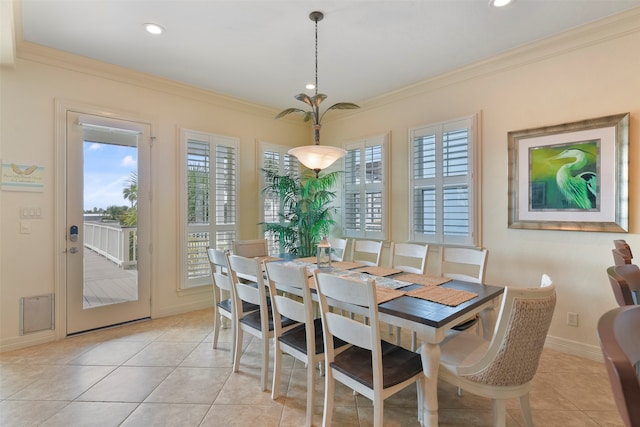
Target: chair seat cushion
[(297, 338), (462, 349), (398, 364), (246, 306), (253, 320)]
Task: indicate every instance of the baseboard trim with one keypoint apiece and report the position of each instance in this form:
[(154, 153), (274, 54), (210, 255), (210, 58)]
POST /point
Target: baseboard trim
[(181, 309), (563, 345), (27, 341)]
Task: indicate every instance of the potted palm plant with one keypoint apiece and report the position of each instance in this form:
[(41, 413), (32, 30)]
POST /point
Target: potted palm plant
[(306, 213)]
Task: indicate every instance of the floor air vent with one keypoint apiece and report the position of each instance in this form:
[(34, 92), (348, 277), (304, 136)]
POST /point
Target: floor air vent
[(36, 314)]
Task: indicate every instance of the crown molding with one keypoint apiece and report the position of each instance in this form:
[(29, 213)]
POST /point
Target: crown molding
[(56, 58), (611, 28)]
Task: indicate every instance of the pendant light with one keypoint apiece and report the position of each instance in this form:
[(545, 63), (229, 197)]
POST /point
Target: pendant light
[(316, 156)]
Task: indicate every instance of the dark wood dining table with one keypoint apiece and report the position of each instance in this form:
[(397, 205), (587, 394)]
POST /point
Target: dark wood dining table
[(431, 321)]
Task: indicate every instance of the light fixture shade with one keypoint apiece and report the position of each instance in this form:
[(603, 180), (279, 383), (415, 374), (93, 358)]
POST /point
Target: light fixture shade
[(317, 157)]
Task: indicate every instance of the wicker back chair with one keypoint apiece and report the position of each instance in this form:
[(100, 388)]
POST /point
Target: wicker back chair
[(504, 367)]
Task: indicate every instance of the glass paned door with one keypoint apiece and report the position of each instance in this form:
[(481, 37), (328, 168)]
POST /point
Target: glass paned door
[(107, 274)]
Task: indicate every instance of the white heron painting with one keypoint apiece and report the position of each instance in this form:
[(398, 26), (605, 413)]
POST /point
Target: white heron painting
[(565, 176)]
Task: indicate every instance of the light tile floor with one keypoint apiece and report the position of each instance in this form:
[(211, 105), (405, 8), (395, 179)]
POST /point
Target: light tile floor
[(164, 372)]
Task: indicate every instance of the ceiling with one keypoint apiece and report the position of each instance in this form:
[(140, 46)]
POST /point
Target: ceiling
[(263, 51)]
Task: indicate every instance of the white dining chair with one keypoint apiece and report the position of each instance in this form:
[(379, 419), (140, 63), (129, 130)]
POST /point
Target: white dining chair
[(223, 306), (251, 248), (291, 298), (252, 289), (367, 252), (374, 368), (410, 258), (338, 248), (467, 264)]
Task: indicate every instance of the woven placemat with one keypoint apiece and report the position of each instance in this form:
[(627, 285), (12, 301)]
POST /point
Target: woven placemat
[(378, 271), (446, 296), (382, 294), (422, 279), (345, 265), (386, 294)]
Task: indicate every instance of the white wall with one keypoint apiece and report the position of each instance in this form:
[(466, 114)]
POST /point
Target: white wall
[(582, 75), (27, 98)]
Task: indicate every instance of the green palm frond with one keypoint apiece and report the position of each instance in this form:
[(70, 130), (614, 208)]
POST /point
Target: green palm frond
[(307, 214)]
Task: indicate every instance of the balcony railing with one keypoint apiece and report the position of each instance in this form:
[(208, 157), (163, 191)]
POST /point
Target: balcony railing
[(118, 244)]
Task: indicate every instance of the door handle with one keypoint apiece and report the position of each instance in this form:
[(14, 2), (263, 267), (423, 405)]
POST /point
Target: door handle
[(73, 250)]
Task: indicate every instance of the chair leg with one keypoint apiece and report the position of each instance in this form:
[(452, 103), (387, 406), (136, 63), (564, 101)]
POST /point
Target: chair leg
[(499, 413), (398, 331), (420, 384), (238, 350), (378, 413), (277, 368), (526, 410), (216, 325), (232, 348), (329, 388), (265, 363), (311, 382)]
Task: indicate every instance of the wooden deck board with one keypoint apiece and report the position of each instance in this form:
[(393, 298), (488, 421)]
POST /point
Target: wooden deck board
[(105, 282)]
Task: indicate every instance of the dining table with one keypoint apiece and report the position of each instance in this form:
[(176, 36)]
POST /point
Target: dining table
[(430, 320)]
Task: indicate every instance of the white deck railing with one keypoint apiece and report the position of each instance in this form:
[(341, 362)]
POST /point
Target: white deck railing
[(119, 244)]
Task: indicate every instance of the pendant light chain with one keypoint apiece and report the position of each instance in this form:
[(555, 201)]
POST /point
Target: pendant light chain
[(316, 157), (316, 20)]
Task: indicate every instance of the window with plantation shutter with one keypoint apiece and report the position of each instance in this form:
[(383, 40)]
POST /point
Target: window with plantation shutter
[(209, 201), (442, 182), (275, 158), (364, 202)]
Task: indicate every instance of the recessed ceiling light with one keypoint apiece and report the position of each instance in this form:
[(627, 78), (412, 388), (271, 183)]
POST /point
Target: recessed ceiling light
[(154, 29), (499, 3)]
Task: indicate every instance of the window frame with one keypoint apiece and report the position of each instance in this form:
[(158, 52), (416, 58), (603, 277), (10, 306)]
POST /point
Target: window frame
[(282, 151), (212, 227), (362, 188), (440, 182)]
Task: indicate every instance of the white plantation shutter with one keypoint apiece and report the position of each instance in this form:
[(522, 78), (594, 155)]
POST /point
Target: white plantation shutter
[(226, 200), (276, 158), (197, 239), (441, 160), (364, 202), (209, 174)]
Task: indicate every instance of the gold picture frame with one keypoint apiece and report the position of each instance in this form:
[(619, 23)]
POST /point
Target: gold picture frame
[(573, 176)]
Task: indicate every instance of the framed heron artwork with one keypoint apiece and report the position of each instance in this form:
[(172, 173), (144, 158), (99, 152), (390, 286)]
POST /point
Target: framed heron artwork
[(572, 176)]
